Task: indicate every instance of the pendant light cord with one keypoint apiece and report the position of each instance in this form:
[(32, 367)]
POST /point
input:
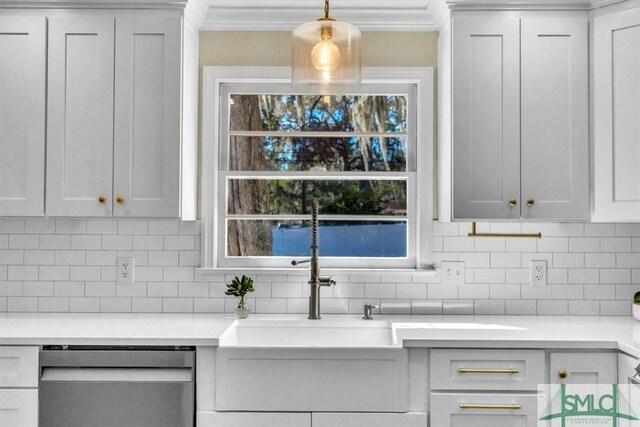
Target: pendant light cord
[(326, 9)]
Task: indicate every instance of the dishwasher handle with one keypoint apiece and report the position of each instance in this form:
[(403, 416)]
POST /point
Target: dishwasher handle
[(117, 375)]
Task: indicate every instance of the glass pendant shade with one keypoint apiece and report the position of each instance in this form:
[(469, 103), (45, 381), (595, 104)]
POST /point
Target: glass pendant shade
[(326, 52)]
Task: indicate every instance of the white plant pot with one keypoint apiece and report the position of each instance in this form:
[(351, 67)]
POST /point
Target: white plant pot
[(635, 310)]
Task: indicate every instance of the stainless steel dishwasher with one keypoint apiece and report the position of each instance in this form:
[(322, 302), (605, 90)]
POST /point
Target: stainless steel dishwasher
[(117, 386)]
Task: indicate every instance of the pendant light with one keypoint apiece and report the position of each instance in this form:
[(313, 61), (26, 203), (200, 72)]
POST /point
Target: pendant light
[(326, 52)]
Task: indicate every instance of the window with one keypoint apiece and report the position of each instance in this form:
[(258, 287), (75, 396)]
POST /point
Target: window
[(279, 147)]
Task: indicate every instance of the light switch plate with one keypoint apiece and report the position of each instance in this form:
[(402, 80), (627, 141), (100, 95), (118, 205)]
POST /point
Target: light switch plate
[(453, 272)]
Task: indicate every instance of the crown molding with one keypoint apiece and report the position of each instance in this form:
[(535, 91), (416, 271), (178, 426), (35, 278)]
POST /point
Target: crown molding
[(94, 4)]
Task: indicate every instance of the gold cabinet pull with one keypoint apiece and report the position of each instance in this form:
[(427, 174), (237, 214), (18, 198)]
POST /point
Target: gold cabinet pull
[(488, 371), (120, 199), (506, 406), (531, 202), (102, 199), (513, 203), (562, 373)]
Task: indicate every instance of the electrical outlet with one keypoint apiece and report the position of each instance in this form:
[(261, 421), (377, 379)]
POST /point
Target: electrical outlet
[(538, 273), (125, 270), (453, 272)]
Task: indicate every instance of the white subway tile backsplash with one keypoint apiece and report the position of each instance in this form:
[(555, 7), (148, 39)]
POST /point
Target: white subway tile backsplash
[(39, 226), (86, 242), (115, 305), (22, 272), (584, 244), (631, 260), (37, 289), (162, 289), (148, 243), (584, 308), (133, 226), (24, 241), (117, 242), (146, 305), (53, 304), (22, 304), (11, 288), (8, 226), (102, 226), (55, 241), (71, 226), (70, 265), (68, 289)]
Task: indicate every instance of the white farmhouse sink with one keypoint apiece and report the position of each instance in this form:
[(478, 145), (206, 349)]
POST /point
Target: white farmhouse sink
[(308, 333), (311, 365)]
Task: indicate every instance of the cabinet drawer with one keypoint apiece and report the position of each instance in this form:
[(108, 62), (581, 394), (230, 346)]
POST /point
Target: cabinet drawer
[(464, 369), (19, 408), (18, 366), (483, 410)]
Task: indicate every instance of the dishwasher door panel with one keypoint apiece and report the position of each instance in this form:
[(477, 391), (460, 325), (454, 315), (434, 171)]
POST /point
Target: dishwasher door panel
[(112, 404)]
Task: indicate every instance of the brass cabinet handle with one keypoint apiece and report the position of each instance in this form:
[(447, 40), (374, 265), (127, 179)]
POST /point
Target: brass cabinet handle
[(120, 199), (513, 203), (531, 202), (562, 373), (102, 199), (488, 371), (507, 406)]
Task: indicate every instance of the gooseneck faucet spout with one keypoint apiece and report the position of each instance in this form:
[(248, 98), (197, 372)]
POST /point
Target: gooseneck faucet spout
[(315, 279)]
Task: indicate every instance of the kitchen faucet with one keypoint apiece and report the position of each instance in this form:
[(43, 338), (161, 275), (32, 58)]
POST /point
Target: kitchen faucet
[(315, 279)]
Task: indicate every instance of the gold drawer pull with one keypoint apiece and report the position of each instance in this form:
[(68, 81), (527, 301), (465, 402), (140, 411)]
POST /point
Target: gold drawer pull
[(506, 406), (488, 371)]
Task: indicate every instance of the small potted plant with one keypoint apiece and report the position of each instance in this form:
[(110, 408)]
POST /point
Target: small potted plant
[(635, 308), (240, 288)]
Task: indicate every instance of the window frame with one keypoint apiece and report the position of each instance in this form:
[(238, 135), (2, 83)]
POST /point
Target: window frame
[(219, 81)]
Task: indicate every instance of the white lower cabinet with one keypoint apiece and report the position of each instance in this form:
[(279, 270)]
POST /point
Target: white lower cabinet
[(483, 410), (626, 367), (19, 371), (583, 368), (252, 419), (18, 408), (328, 419)]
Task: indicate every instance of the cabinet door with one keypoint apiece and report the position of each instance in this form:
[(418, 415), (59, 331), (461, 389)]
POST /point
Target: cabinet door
[(80, 116), (147, 117), (486, 117), (583, 368), (18, 408), (449, 410), (626, 368), (617, 117), (555, 118), (22, 114)]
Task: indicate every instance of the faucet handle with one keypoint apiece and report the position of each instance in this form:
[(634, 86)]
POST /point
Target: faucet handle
[(327, 281), (302, 261)]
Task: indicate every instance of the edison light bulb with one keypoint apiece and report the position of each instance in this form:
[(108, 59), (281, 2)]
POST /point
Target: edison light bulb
[(325, 56)]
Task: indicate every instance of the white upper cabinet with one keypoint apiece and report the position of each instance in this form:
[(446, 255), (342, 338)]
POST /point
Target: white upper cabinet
[(617, 116), (555, 118), (22, 115), (146, 182), (114, 122), (486, 118), (80, 116), (520, 116)]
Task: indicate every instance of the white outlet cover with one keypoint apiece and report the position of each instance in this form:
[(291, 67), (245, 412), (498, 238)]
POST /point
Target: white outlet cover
[(538, 273), (453, 272), (126, 270)]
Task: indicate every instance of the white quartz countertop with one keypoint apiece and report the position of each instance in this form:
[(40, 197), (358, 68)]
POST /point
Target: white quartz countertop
[(573, 332)]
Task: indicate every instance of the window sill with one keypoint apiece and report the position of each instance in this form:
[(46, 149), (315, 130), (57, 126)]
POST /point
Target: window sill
[(429, 272)]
